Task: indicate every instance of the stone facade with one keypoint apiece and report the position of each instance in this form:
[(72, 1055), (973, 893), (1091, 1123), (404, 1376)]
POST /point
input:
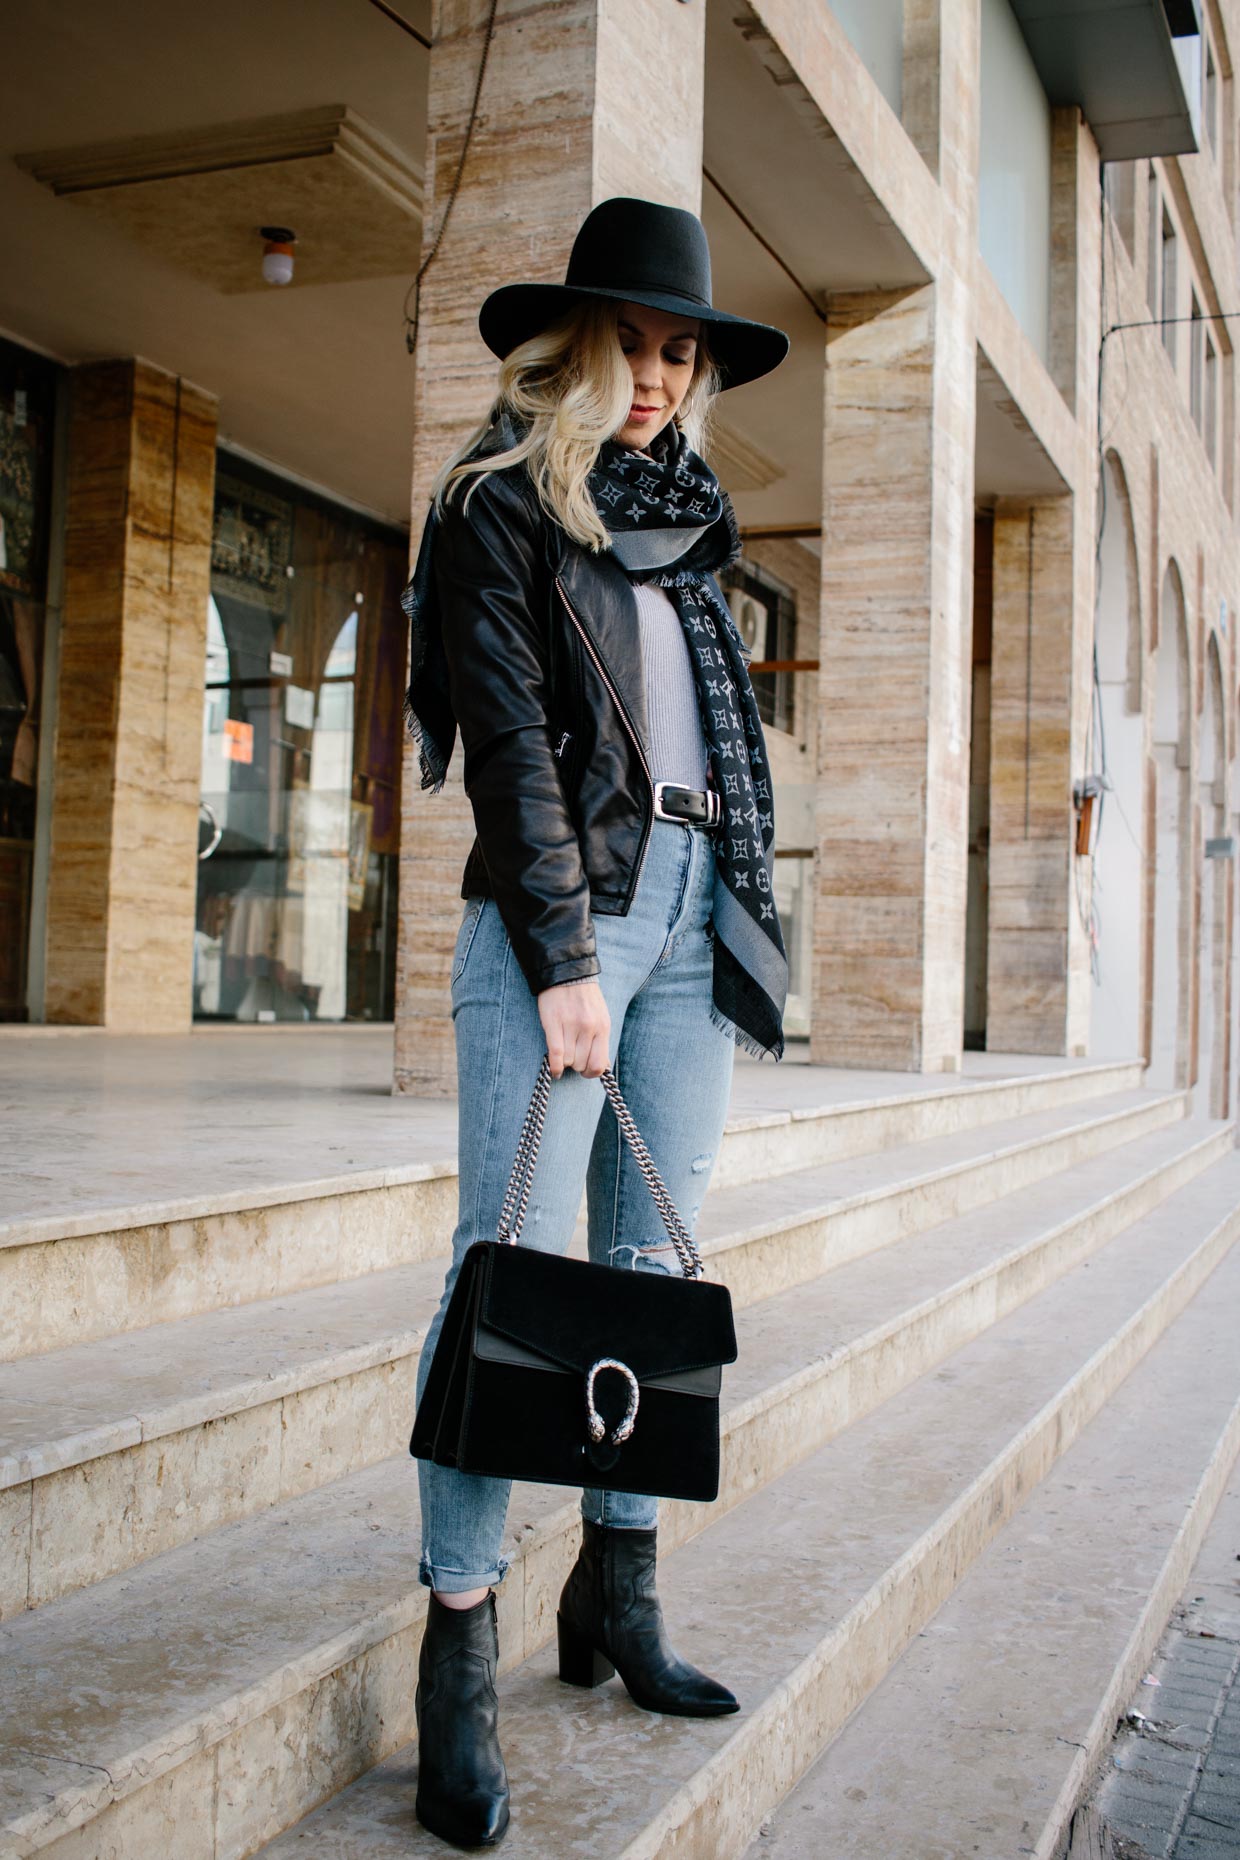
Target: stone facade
[(120, 918), (901, 479), (541, 156), (943, 878), (1175, 509)]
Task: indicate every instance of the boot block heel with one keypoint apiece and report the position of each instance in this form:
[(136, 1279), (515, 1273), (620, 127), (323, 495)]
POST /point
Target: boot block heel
[(581, 1663)]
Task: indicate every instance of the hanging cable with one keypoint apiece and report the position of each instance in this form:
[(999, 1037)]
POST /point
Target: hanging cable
[(399, 20), (415, 289), (766, 245)]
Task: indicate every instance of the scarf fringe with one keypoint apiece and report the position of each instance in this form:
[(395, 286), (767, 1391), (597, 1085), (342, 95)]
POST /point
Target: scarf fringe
[(744, 1040), (433, 768)]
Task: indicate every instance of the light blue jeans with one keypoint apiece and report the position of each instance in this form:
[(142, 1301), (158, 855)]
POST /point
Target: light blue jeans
[(674, 1067)]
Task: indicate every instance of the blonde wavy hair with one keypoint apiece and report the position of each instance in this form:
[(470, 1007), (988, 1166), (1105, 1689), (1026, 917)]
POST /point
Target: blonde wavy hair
[(572, 388)]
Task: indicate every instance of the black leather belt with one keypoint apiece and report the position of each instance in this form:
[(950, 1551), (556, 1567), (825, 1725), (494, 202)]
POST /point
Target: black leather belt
[(692, 807)]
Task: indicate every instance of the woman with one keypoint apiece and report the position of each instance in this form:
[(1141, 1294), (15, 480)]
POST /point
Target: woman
[(565, 617)]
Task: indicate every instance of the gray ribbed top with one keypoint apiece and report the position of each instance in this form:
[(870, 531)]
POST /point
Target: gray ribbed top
[(677, 746)]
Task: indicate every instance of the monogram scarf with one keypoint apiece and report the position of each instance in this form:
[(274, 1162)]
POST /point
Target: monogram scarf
[(671, 524)]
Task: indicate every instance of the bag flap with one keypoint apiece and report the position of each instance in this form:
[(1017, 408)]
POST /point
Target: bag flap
[(492, 1347), (572, 1312)]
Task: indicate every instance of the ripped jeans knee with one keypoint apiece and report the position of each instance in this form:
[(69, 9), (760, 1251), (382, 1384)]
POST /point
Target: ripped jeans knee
[(657, 1255)]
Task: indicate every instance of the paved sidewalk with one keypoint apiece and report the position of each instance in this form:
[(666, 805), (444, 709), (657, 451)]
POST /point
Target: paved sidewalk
[(1171, 1790)]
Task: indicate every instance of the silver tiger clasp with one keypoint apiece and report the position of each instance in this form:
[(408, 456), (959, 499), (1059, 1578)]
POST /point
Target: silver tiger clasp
[(597, 1425)]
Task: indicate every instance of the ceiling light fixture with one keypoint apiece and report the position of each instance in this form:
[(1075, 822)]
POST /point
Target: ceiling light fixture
[(277, 253)]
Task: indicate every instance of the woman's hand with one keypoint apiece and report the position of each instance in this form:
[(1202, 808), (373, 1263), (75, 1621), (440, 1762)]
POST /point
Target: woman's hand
[(578, 1027)]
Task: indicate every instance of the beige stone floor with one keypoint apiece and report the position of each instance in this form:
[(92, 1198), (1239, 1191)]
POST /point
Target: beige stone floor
[(91, 1120)]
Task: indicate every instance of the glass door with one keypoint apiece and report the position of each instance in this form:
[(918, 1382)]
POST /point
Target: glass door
[(27, 425)]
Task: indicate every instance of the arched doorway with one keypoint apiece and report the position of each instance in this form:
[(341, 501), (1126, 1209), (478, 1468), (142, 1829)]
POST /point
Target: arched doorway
[(1168, 1045), (1119, 855), (1210, 1096)]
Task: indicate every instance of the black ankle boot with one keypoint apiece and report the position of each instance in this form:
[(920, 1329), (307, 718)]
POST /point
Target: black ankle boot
[(610, 1620), (462, 1784)]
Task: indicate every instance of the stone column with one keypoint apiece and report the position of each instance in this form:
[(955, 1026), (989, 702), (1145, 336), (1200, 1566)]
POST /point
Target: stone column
[(1038, 961), (893, 765), (897, 599), (1031, 821), (123, 868), (579, 102)]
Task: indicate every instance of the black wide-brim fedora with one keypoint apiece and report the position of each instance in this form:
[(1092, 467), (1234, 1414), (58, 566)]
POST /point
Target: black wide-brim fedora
[(637, 252)]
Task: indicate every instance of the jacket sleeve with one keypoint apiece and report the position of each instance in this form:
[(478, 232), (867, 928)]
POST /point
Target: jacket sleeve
[(490, 579)]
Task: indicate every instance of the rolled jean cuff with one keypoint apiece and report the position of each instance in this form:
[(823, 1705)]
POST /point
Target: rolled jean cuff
[(445, 1581)]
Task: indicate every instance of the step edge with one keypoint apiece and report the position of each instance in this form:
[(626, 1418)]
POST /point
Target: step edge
[(49, 1228), (871, 1197), (46, 1229), (710, 1782), (960, 1289), (140, 1426), (1143, 1641), (211, 1724), (947, 1094)]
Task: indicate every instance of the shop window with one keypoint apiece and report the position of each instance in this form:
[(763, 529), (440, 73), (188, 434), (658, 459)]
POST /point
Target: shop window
[(1210, 433), (1210, 100), (1196, 364), (1153, 240), (1168, 311), (1120, 180), (300, 815), (766, 616), (27, 424)]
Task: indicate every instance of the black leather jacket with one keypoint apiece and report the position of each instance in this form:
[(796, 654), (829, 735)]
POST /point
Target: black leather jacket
[(530, 644)]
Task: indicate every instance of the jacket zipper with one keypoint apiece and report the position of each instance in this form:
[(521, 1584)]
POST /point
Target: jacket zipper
[(618, 701)]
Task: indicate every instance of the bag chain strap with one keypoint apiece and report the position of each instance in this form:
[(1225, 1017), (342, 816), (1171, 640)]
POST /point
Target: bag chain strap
[(517, 1195)]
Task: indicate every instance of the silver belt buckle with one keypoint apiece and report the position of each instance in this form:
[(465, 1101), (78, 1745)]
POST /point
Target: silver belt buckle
[(714, 805)]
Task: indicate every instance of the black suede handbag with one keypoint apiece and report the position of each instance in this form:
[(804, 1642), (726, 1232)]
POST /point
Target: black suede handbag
[(562, 1372)]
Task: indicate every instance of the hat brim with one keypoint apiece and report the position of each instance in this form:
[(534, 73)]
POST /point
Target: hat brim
[(742, 350)]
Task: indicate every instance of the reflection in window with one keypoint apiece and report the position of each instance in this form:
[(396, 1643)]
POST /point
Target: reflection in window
[(1196, 363), (1168, 286), (764, 609), (1211, 393), (301, 762), (1153, 245)]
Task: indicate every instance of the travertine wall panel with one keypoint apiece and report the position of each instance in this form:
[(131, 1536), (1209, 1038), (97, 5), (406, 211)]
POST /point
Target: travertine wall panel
[(121, 899), (1180, 516), (542, 155), (808, 46), (1035, 397), (891, 747), (890, 905), (896, 632), (1030, 778)]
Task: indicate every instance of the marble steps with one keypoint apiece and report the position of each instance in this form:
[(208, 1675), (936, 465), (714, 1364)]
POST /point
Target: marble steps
[(806, 1596), (70, 1278), (119, 1449), (985, 1735), (760, 1145), (205, 1700)]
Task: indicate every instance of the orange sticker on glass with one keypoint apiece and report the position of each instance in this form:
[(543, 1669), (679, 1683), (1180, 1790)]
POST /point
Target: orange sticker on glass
[(238, 740)]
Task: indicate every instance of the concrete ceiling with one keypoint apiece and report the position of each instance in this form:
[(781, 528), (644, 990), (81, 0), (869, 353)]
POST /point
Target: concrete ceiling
[(315, 379), (1009, 459), (770, 151)]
